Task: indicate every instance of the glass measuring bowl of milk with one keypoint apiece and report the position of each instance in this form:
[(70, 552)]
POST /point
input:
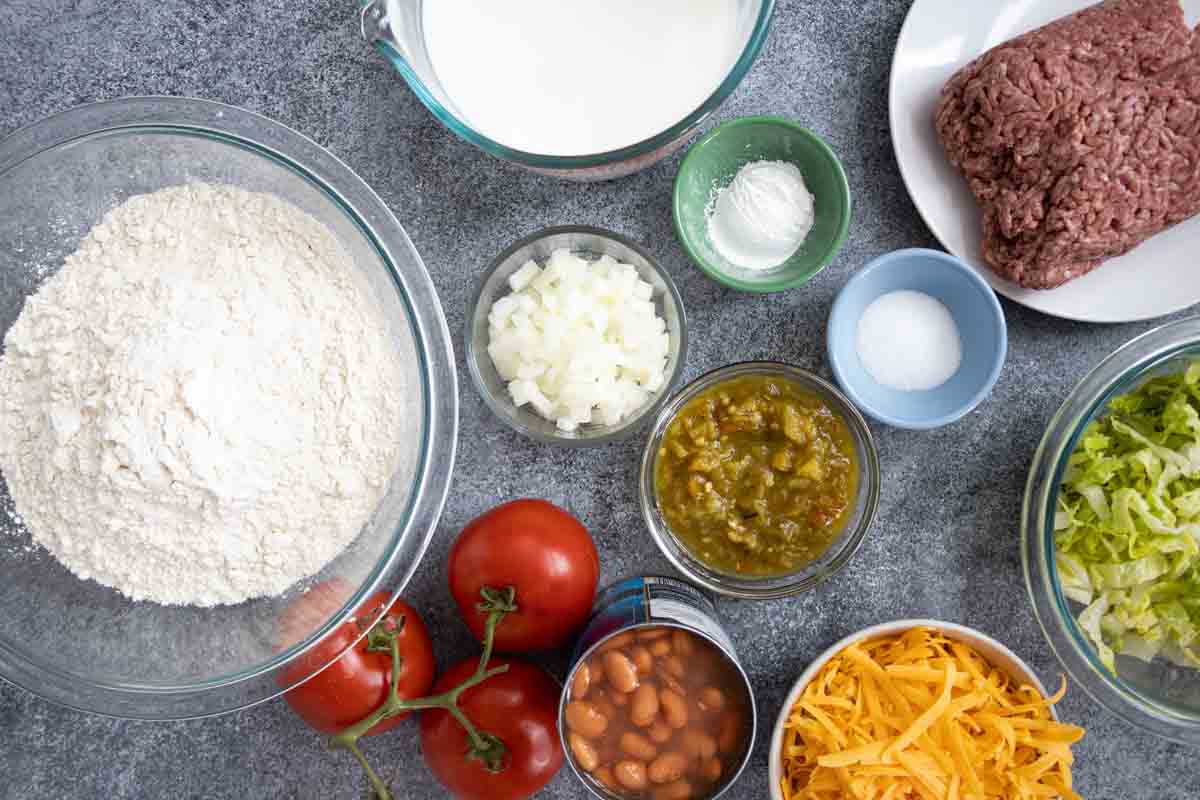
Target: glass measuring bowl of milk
[(572, 88)]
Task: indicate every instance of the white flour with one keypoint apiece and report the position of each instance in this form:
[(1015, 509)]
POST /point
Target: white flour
[(201, 406)]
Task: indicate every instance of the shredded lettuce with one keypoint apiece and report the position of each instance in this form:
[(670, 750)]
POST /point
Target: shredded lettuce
[(1127, 524)]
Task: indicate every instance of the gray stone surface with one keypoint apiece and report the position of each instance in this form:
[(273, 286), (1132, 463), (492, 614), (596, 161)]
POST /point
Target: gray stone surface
[(946, 541)]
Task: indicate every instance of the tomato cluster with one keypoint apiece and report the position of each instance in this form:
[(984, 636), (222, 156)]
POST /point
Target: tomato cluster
[(524, 576)]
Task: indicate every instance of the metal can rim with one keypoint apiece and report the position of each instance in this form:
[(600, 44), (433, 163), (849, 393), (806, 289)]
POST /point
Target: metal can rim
[(731, 657)]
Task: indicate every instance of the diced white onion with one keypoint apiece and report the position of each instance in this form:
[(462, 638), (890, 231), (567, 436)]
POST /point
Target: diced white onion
[(521, 278), (579, 342)]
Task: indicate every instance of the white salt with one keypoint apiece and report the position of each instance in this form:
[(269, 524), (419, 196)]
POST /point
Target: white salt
[(908, 341)]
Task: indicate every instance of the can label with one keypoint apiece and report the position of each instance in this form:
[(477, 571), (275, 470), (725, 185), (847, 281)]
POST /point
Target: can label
[(650, 599)]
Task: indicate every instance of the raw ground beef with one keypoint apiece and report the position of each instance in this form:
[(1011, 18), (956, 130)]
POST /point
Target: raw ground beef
[(1080, 140)]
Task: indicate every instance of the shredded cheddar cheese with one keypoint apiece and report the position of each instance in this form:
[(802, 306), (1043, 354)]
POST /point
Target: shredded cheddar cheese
[(922, 717)]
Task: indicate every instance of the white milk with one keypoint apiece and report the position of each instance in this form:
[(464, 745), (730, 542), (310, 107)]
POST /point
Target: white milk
[(575, 77)]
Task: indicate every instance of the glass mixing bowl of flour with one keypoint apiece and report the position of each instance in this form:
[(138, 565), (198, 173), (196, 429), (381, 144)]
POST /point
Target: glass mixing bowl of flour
[(82, 644), (571, 88)]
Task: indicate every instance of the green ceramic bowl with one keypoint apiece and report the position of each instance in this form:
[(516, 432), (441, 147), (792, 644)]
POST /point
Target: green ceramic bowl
[(711, 164)]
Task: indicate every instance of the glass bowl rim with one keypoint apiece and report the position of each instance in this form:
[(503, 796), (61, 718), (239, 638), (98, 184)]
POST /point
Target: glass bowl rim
[(337, 182), (732, 79), (1120, 371), (499, 405), (800, 580)]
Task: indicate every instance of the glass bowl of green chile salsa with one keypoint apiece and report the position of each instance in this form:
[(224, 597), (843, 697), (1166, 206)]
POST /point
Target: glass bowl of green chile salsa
[(759, 480)]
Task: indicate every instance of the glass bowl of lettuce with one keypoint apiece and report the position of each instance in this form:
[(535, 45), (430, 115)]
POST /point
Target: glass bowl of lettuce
[(1111, 532)]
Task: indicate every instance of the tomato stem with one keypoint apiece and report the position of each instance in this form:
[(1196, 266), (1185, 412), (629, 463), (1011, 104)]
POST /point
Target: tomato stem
[(497, 604), (495, 611), (384, 632), (397, 663), (382, 792)]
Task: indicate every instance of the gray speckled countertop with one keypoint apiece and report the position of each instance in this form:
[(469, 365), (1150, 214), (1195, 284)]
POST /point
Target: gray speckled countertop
[(946, 540)]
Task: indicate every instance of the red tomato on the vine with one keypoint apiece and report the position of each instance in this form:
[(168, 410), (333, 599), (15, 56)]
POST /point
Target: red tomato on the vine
[(358, 682), (545, 554), (520, 707)]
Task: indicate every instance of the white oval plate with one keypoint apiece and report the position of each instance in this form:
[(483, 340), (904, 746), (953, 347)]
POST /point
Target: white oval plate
[(939, 36)]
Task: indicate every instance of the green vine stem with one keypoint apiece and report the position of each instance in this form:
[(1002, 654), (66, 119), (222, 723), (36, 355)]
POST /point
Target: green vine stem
[(383, 636)]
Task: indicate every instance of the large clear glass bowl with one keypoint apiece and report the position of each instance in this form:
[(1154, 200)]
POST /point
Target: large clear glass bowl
[(1157, 696), (83, 645), (395, 28)]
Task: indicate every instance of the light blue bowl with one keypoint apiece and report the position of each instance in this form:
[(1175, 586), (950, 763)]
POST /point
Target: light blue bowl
[(977, 314)]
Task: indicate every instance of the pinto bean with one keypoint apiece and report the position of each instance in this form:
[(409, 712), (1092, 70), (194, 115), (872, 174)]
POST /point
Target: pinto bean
[(631, 774), (605, 776), (581, 682), (638, 746), (669, 681), (585, 719), (697, 744), (621, 672), (667, 768), (596, 670), (604, 705), (711, 699), (660, 732), (674, 667), (585, 754), (643, 708), (615, 643), (642, 660), (674, 708)]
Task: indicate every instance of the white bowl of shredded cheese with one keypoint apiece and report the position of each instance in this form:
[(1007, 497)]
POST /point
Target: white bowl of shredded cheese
[(916, 686), (575, 336)]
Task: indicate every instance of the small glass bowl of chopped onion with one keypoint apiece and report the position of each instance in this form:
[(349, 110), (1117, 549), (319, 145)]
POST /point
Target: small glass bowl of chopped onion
[(575, 336)]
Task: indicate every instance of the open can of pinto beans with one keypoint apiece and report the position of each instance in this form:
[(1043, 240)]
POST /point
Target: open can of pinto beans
[(656, 704)]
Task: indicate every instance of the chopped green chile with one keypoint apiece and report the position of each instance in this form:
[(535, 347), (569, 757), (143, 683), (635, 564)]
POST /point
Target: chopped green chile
[(756, 476)]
